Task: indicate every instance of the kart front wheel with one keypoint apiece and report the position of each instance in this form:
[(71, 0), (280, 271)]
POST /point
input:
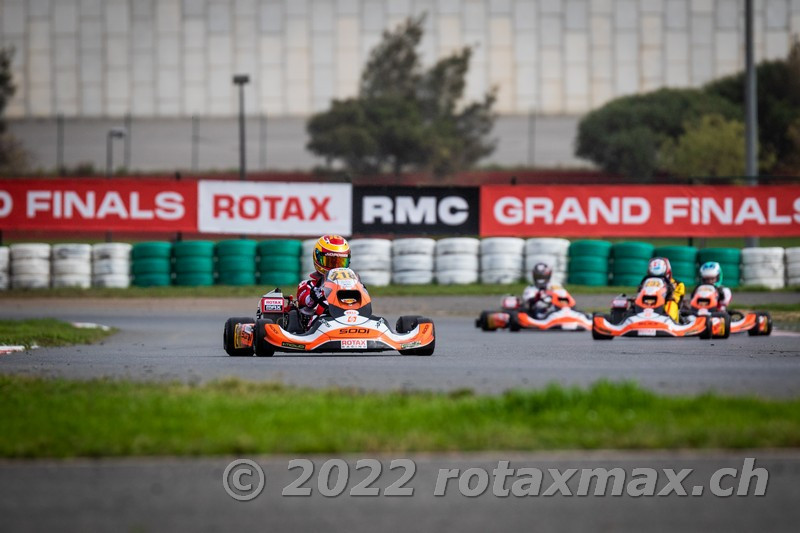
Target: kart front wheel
[(229, 337), (597, 335), (726, 318), (411, 322), (755, 330), (260, 345)]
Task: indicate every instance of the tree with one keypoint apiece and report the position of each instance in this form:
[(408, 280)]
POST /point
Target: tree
[(406, 117), (13, 157), (711, 146)]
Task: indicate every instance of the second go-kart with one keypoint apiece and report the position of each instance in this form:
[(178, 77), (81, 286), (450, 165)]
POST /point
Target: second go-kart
[(706, 301), (347, 325), (555, 312), (646, 316)]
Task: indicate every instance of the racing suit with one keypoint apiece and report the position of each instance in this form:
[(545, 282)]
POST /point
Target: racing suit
[(311, 299), (675, 292), (532, 296), (724, 297)]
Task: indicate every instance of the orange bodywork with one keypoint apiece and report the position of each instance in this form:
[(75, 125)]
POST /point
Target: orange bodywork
[(526, 321), (655, 326), (279, 338)]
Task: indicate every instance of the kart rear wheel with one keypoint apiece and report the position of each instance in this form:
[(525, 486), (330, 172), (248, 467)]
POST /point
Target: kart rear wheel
[(706, 333), (513, 321), (406, 323), (260, 345), (483, 321), (754, 331), (598, 336), (425, 350), (228, 333), (727, 319)]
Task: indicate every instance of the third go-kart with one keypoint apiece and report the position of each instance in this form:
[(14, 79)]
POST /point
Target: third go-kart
[(555, 312), (706, 301), (347, 325), (646, 316)]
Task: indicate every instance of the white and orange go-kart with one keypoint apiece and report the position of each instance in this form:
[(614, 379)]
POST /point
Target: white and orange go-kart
[(646, 316), (347, 325), (557, 312), (705, 301)]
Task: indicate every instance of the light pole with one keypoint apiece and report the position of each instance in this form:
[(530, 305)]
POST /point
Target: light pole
[(751, 108), (113, 133), (241, 80)]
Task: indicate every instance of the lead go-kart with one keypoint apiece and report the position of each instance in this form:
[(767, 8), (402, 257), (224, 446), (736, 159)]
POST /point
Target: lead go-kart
[(346, 325), (556, 312), (705, 300), (646, 316)]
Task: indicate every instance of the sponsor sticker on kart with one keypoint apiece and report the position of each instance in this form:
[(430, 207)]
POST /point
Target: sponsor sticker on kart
[(412, 344), (271, 304), (354, 344), (647, 332), (293, 345), (351, 312)]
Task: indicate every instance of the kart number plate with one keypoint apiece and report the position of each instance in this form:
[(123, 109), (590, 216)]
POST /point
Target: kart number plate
[(271, 304), (647, 333), (350, 344)]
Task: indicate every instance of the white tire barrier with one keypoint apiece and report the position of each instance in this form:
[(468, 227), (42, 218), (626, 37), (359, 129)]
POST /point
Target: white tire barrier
[(502, 245), (372, 260), (404, 263), (82, 252), (31, 250), (111, 265), (793, 281), (458, 245), (553, 261), (752, 256), (502, 262), (465, 262), (115, 267), (770, 283), (72, 267), (4, 258), (793, 270), (374, 278), (30, 281), (502, 276), (112, 281), (763, 267), (548, 246), (412, 277), (72, 280), (417, 246), (456, 277), (792, 255), (4, 281), (34, 267), (111, 250), (763, 270), (377, 247), (367, 263)]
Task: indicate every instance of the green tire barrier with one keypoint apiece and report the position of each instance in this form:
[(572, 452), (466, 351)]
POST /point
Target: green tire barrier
[(236, 247), (593, 279), (151, 266), (152, 280), (632, 250), (236, 278), (589, 247), (236, 263), (279, 279), (624, 266), (155, 250), (190, 264), (588, 263), (193, 249), (291, 247), (626, 280), (194, 279), (685, 254), (727, 256), (279, 263)]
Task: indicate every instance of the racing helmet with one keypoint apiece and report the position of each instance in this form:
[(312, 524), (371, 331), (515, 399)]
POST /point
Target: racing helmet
[(711, 273), (541, 275), (331, 251), (659, 267)]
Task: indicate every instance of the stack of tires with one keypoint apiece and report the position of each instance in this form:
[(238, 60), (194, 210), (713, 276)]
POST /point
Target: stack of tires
[(792, 266), (151, 264), (236, 262), (111, 265), (30, 266), (412, 261), (683, 260), (763, 267), (4, 269), (588, 262), (457, 261), (502, 259), (629, 262), (553, 252), (193, 264), (372, 260), (728, 259), (71, 265), (279, 262)]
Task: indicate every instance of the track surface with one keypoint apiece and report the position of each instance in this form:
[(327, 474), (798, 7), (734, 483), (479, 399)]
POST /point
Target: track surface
[(181, 340)]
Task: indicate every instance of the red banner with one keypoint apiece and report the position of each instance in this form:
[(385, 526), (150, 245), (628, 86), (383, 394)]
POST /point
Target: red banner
[(98, 204), (640, 211)]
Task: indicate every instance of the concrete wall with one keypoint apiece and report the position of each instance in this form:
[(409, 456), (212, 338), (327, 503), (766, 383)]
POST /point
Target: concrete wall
[(172, 58)]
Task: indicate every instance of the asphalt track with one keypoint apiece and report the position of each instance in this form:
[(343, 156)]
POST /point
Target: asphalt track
[(181, 340)]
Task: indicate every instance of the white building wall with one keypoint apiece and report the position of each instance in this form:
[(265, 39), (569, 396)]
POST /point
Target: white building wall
[(170, 58)]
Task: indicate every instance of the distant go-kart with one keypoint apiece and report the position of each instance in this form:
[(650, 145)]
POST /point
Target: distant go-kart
[(646, 316), (347, 325), (706, 301), (556, 312)]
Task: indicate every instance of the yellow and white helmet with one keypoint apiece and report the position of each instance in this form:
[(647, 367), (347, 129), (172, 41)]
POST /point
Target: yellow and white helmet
[(331, 251)]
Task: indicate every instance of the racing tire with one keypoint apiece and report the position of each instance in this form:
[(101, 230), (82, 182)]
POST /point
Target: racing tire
[(513, 322), (260, 345), (706, 333), (481, 321), (425, 350), (596, 335), (727, 319), (406, 323), (227, 337), (754, 332)]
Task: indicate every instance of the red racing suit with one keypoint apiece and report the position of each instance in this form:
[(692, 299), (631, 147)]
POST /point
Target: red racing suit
[(310, 298)]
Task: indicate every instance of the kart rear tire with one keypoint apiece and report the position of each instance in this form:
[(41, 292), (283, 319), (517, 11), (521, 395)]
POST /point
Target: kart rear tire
[(227, 337), (406, 323), (753, 332), (425, 350), (260, 345), (706, 333), (727, 318), (513, 322), (596, 335)]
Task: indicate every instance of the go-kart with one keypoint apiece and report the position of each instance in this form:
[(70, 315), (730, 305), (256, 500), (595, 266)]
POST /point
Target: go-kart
[(646, 316), (556, 311), (346, 325), (706, 301)]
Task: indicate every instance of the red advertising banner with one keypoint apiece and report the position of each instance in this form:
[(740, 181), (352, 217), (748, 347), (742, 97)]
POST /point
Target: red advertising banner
[(98, 204), (640, 211)]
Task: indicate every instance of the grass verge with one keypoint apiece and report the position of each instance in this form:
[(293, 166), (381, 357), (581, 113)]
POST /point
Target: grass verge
[(58, 418), (46, 332)]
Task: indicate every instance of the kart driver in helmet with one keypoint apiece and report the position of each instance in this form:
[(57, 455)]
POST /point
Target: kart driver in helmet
[(535, 296), (331, 251), (711, 274), (659, 267)]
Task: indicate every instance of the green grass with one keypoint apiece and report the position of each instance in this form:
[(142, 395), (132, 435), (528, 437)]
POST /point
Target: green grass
[(46, 332), (58, 418)]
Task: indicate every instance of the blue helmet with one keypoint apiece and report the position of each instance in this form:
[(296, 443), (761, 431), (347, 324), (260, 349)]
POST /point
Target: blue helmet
[(711, 273)]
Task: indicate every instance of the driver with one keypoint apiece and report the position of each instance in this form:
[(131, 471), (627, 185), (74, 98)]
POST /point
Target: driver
[(659, 267), (711, 274), (331, 251), (535, 296)]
